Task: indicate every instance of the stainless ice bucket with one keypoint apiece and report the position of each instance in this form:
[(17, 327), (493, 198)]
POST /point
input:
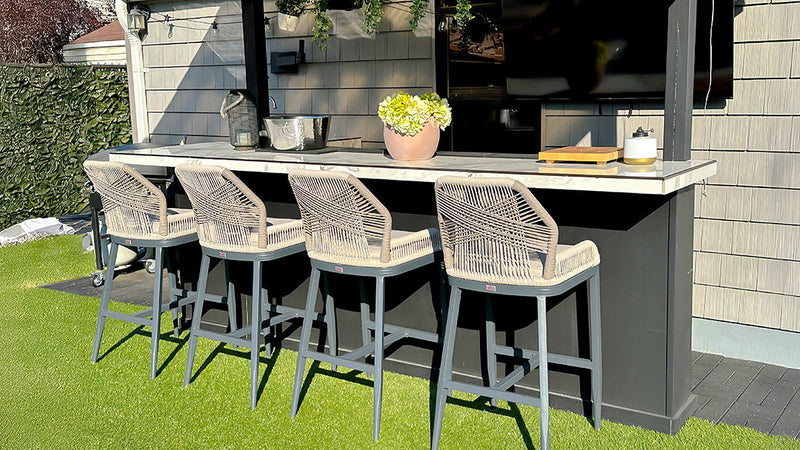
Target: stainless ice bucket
[(297, 132)]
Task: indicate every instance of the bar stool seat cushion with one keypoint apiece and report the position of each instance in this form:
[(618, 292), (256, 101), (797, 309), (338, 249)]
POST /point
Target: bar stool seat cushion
[(570, 260), (180, 222), (281, 233), (405, 246)]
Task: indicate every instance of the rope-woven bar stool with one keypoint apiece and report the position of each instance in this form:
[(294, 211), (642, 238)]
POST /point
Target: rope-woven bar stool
[(137, 215), (233, 225), (348, 231), (498, 239)]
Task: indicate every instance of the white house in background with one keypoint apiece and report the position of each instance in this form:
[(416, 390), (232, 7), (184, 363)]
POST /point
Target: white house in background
[(103, 47)]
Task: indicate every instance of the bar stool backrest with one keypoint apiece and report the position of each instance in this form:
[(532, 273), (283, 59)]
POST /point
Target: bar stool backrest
[(229, 215), (342, 219), (134, 207), (494, 230)]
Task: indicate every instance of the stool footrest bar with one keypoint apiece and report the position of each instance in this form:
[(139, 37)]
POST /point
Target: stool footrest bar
[(339, 361), (570, 361), (275, 320), (228, 338), (533, 356), (511, 397), (368, 349), (408, 332), (130, 317), (516, 375)]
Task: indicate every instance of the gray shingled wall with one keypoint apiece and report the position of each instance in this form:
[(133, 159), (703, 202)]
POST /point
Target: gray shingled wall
[(747, 226), (190, 72), (747, 219)]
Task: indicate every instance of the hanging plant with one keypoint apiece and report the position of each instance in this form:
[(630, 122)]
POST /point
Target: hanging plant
[(291, 7), (416, 11), (462, 13), (372, 15), (322, 24)]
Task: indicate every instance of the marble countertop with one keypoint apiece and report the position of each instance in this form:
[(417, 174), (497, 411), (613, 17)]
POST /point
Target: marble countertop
[(660, 178)]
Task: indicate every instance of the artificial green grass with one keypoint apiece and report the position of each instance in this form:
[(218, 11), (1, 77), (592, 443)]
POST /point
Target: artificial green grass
[(52, 396)]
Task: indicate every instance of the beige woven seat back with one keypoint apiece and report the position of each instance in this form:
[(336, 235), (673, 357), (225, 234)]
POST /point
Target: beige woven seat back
[(494, 230), (342, 219), (133, 206), (229, 215)]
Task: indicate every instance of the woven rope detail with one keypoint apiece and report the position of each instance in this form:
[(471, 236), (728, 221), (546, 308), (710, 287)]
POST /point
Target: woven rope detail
[(229, 215), (341, 218), (133, 206), (493, 229)]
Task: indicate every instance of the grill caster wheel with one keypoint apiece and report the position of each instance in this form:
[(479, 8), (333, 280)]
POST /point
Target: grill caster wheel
[(98, 279)]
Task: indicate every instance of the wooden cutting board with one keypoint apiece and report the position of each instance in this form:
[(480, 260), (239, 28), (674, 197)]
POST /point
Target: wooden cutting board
[(599, 155)]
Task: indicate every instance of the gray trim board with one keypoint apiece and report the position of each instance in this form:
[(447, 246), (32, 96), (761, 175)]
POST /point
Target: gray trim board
[(748, 342)]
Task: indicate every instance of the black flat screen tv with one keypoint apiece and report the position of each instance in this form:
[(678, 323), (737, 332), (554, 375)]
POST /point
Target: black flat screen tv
[(615, 49)]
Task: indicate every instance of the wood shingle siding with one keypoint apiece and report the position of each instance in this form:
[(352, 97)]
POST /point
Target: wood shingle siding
[(747, 219)]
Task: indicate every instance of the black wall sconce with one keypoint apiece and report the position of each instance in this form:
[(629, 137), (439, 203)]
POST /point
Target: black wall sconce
[(288, 62)]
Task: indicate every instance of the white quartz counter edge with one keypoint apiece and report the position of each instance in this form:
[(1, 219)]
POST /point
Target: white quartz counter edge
[(628, 184)]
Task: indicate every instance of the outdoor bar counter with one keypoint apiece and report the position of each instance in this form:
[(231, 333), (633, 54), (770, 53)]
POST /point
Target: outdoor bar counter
[(640, 219)]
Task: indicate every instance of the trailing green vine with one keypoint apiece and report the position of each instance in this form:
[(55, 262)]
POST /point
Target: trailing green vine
[(291, 7), (322, 24), (463, 14), (372, 15), (416, 11)]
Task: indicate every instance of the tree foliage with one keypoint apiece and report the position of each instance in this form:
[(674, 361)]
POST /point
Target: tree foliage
[(34, 31)]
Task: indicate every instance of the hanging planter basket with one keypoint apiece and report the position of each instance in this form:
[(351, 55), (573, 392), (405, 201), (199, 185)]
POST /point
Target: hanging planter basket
[(287, 22), (345, 5)]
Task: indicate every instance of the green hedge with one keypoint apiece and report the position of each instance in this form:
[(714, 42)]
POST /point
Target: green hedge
[(51, 119)]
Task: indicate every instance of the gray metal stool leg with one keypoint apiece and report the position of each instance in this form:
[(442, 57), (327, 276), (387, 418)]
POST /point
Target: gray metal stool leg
[(255, 333), (101, 315), (172, 283), (231, 300), (366, 338), (305, 337), (596, 349), (544, 389), (266, 321), (196, 317), (446, 365), (378, 380), (330, 320), (156, 326), (491, 356)]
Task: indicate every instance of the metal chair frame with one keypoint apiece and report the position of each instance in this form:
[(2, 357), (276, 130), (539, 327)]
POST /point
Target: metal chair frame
[(349, 231), (369, 346), (178, 297), (137, 215), (498, 239), (533, 359)]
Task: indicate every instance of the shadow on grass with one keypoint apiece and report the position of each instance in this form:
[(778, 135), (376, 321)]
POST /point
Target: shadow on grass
[(244, 353), (481, 403), (315, 369), (140, 331)]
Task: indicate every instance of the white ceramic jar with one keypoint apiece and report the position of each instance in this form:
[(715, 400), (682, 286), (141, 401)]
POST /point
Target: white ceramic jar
[(641, 149)]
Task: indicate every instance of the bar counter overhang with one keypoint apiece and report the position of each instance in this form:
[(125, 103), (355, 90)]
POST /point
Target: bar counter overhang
[(640, 218)]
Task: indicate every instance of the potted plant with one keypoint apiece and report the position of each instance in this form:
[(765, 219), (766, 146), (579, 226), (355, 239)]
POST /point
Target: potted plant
[(463, 14), (411, 124), (289, 12)]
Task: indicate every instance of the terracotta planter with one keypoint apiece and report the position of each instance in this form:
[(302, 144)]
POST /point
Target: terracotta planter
[(419, 147)]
